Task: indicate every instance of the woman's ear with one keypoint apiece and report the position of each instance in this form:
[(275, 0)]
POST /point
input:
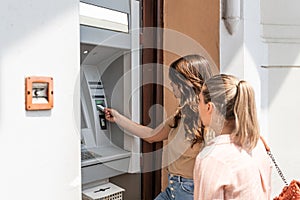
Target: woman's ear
[(210, 107)]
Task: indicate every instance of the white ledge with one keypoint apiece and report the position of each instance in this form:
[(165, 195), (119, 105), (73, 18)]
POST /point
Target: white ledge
[(281, 33), (280, 66)]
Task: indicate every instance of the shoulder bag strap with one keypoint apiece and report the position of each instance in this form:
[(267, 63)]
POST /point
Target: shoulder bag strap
[(268, 150)]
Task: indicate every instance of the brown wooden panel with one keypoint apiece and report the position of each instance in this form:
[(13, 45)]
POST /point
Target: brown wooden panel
[(196, 19), (152, 93)]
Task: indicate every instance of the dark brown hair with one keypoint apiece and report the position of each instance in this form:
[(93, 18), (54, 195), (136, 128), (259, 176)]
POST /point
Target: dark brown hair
[(189, 73)]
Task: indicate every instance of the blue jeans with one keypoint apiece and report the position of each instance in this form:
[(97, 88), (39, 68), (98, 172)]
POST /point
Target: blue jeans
[(179, 188)]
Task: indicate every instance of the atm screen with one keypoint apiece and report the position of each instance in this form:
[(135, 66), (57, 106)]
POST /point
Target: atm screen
[(100, 102)]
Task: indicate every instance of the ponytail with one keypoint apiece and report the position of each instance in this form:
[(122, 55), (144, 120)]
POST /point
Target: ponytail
[(246, 124), (234, 100)]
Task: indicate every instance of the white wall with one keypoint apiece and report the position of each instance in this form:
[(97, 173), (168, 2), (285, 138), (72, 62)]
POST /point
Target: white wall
[(284, 118), (243, 53), (281, 33), (40, 151), (269, 35)]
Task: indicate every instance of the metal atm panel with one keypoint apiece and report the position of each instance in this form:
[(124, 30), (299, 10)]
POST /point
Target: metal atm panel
[(107, 61), (101, 158)]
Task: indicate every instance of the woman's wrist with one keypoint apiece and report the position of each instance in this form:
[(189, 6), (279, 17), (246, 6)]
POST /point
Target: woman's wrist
[(117, 117)]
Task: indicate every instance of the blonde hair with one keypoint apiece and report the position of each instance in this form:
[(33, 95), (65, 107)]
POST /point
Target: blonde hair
[(234, 100), (189, 73)]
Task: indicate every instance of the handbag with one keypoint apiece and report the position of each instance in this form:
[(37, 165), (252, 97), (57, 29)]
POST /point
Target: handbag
[(290, 191)]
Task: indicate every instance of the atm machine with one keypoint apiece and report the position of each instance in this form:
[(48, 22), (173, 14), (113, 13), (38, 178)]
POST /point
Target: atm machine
[(110, 77)]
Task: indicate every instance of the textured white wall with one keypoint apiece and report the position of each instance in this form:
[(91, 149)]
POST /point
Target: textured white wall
[(40, 150)]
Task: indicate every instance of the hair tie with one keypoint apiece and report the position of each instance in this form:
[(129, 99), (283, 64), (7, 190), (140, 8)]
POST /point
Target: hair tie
[(239, 83), (237, 89)]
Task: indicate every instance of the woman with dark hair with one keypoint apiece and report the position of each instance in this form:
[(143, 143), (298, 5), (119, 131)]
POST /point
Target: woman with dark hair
[(182, 130)]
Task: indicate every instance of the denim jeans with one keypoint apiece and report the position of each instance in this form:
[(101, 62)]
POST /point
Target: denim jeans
[(179, 188)]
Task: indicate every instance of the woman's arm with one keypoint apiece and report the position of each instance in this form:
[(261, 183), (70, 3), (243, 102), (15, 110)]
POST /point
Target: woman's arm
[(148, 134)]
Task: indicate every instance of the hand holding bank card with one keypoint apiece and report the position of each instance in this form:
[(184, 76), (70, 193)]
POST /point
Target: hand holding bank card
[(100, 107)]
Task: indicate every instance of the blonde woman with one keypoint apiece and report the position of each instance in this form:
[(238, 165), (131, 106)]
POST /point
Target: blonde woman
[(234, 165), (182, 130)]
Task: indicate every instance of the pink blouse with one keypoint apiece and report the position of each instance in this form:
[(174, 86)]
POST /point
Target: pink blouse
[(223, 170)]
